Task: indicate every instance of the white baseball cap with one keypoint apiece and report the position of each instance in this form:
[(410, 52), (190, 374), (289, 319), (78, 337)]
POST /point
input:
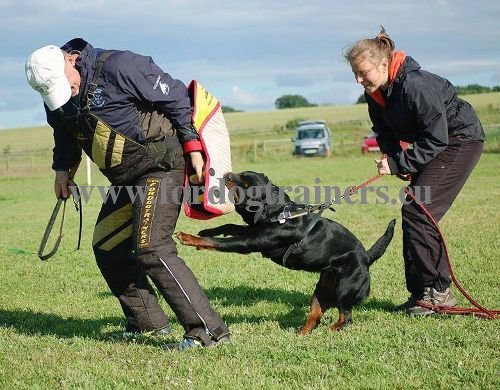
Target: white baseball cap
[(45, 73)]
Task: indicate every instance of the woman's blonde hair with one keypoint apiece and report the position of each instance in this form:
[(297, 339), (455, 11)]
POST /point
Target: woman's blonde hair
[(371, 49)]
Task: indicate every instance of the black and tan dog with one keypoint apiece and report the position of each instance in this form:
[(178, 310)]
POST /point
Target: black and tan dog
[(293, 237)]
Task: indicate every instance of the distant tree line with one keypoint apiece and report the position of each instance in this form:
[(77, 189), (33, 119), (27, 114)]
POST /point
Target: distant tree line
[(292, 101), (476, 88), (470, 89), (229, 109), (296, 101)]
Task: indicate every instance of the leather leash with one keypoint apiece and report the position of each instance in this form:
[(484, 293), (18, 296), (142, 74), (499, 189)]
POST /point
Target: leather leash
[(51, 223), (478, 310), (286, 214)]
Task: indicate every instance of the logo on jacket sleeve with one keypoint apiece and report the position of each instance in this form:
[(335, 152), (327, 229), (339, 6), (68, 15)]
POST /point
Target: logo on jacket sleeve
[(97, 99), (165, 89)]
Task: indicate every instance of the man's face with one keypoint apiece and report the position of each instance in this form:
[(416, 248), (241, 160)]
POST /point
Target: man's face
[(72, 73)]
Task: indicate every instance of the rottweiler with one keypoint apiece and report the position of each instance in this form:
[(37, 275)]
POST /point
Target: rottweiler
[(293, 236)]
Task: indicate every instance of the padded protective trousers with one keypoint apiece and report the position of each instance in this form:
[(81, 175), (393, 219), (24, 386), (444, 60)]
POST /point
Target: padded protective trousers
[(423, 251), (133, 241)]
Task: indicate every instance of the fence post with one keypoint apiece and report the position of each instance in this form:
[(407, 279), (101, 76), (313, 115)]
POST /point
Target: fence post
[(89, 175)]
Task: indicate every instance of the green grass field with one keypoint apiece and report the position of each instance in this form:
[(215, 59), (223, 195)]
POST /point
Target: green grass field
[(59, 324)]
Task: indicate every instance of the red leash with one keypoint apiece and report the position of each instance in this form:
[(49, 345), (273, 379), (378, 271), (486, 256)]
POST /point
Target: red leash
[(353, 189), (478, 310)]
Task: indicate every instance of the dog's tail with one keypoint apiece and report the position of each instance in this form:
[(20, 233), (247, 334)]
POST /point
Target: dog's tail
[(378, 249)]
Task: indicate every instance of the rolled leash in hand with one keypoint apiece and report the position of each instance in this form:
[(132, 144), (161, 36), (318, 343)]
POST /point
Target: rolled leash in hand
[(48, 230), (51, 223)]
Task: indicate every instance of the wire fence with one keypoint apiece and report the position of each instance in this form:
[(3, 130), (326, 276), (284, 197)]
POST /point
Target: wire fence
[(25, 162), (342, 144), (14, 163)]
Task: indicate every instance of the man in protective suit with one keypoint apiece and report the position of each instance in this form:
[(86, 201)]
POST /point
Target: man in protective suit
[(134, 121)]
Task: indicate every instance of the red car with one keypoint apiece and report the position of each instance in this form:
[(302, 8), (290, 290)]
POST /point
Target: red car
[(370, 143)]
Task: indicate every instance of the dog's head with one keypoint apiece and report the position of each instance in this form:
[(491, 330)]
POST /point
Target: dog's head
[(256, 199)]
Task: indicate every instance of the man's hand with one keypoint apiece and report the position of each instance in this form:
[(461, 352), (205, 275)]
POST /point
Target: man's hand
[(61, 185), (383, 166), (197, 163)]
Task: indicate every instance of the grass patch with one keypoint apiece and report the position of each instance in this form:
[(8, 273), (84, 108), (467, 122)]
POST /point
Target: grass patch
[(58, 322)]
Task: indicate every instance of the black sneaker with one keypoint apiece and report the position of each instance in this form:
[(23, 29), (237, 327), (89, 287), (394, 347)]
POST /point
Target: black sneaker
[(434, 297), (191, 343)]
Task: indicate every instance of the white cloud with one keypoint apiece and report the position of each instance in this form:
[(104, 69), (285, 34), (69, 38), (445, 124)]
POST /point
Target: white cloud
[(250, 53), (465, 66), (241, 98)]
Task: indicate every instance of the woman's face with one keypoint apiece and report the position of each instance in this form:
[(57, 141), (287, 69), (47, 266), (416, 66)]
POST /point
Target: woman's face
[(72, 73), (369, 75)]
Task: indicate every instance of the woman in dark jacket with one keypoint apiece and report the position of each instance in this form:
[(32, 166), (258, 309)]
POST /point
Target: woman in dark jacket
[(409, 104)]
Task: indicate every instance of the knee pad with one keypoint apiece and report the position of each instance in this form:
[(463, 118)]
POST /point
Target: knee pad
[(113, 229)]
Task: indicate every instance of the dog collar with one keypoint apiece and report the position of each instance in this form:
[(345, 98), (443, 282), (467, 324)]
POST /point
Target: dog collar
[(286, 214)]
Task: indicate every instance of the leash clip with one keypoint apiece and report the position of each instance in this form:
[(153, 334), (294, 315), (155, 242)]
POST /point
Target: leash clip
[(284, 215)]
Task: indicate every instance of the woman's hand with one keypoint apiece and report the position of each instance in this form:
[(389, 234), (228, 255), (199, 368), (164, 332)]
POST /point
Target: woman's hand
[(383, 166)]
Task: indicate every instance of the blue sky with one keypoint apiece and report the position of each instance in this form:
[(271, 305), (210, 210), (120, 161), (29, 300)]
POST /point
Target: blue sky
[(249, 53)]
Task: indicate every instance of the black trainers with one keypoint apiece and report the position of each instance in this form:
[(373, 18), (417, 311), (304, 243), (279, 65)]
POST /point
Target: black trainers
[(434, 297), (131, 332), (191, 343)]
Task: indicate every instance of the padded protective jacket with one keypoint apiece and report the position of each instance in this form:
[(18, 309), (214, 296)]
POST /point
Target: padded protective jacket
[(129, 86), (423, 109)]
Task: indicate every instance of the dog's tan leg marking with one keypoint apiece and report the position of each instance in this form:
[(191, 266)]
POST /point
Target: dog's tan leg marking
[(345, 318), (198, 242), (315, 314)]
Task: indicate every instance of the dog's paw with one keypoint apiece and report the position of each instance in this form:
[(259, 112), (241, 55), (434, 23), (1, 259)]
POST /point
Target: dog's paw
[(197, 242), (185, 238)]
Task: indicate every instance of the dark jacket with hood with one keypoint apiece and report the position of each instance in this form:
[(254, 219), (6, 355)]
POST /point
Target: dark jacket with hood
[(423, 109), (130, 87)]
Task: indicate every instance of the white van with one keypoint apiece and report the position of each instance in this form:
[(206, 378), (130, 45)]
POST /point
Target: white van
[(312, 138)]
